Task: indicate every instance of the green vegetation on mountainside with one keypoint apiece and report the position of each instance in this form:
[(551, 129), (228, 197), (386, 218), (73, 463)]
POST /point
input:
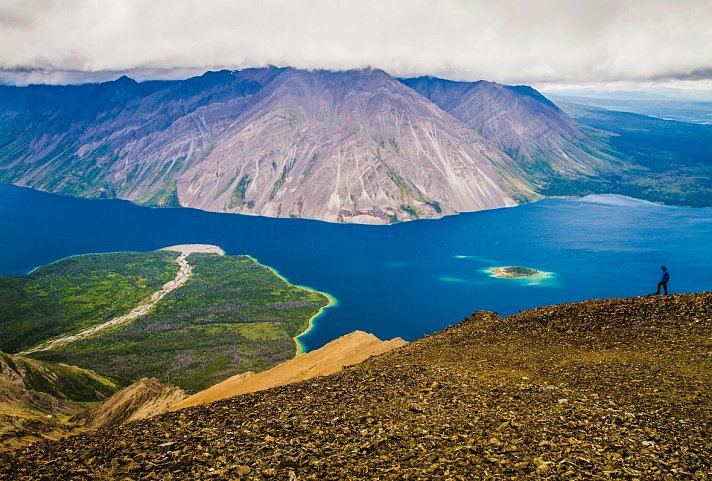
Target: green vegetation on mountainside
[(233, 315), (76, 293), (68, 383), (660, 160), (164, 197)]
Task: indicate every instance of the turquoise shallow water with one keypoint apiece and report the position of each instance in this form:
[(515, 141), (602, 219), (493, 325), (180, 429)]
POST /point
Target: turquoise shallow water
[(402, 280)]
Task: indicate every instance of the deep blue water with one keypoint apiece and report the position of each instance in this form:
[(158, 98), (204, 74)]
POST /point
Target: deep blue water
[(402, 280)]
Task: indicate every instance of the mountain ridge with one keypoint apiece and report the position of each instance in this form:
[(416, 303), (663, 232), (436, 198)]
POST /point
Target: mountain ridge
[(522, 122), (351, 146)]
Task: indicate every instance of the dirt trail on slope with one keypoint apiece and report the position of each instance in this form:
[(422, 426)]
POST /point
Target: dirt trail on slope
[(184, 273)]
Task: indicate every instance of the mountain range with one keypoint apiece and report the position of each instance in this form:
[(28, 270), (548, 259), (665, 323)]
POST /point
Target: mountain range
[(352, 146)]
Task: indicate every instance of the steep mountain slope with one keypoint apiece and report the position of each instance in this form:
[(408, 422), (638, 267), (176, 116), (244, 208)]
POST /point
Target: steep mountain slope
[(352, 146), (115, 139), (35, 395), (348, 146), (522, 122), (614, 388), (345, 351), (58, 380)]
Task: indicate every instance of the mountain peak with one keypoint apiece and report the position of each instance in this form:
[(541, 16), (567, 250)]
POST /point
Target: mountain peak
[(125, 80)]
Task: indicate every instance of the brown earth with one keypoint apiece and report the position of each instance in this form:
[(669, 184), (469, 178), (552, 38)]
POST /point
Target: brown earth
[(27, 416), (604, 389)]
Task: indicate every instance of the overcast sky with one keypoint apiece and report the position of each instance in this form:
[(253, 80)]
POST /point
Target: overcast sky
[(540, 42)]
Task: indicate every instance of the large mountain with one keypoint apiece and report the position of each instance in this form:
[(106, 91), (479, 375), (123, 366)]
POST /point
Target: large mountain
[(353, 146), (519, 120)]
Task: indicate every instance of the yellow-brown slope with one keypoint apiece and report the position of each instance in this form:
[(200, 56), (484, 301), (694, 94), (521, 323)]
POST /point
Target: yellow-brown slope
[(347, 350)]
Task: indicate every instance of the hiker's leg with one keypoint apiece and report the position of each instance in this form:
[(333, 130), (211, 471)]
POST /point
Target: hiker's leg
[(665, 287)]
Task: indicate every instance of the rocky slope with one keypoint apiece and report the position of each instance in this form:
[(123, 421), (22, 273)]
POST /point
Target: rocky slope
[(602, 389), (355, 146), (143, 399), (345, 351), (27, 415), (523, 123)]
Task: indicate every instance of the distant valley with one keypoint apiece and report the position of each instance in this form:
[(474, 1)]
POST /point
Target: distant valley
[(664, 160), (354, 146)]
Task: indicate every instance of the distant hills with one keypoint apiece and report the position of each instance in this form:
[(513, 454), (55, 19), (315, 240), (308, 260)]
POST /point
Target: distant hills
[(658, 160), (349, 146)]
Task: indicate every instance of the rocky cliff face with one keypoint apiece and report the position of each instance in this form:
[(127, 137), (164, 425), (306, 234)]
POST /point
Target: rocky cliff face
[(355, 146), (520, 121)]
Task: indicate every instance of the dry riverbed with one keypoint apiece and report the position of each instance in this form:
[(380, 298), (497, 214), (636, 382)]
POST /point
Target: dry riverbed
[(184, 273)]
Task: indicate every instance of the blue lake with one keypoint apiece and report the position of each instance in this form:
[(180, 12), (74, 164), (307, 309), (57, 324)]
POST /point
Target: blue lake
[(402, 280)]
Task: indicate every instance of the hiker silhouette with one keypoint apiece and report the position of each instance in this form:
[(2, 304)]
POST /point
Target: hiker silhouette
[(663, 282)]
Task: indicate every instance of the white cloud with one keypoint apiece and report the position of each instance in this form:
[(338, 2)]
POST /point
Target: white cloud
[(542, 41)]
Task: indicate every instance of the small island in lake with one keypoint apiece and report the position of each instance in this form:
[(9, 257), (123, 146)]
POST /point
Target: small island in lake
[(521, 275), (509, 272)]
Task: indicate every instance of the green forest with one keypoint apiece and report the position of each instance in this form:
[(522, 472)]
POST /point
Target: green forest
[(233, 315), (76, 293)]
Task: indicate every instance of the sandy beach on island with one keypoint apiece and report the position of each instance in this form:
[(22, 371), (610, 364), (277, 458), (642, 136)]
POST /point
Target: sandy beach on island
[(537, 278)]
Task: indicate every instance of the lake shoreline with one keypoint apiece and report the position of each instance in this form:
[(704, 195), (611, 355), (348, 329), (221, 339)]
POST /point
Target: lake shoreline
[(311, 323)]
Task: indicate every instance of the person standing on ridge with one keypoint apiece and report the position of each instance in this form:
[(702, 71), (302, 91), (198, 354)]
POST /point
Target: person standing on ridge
[(663, 282)]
